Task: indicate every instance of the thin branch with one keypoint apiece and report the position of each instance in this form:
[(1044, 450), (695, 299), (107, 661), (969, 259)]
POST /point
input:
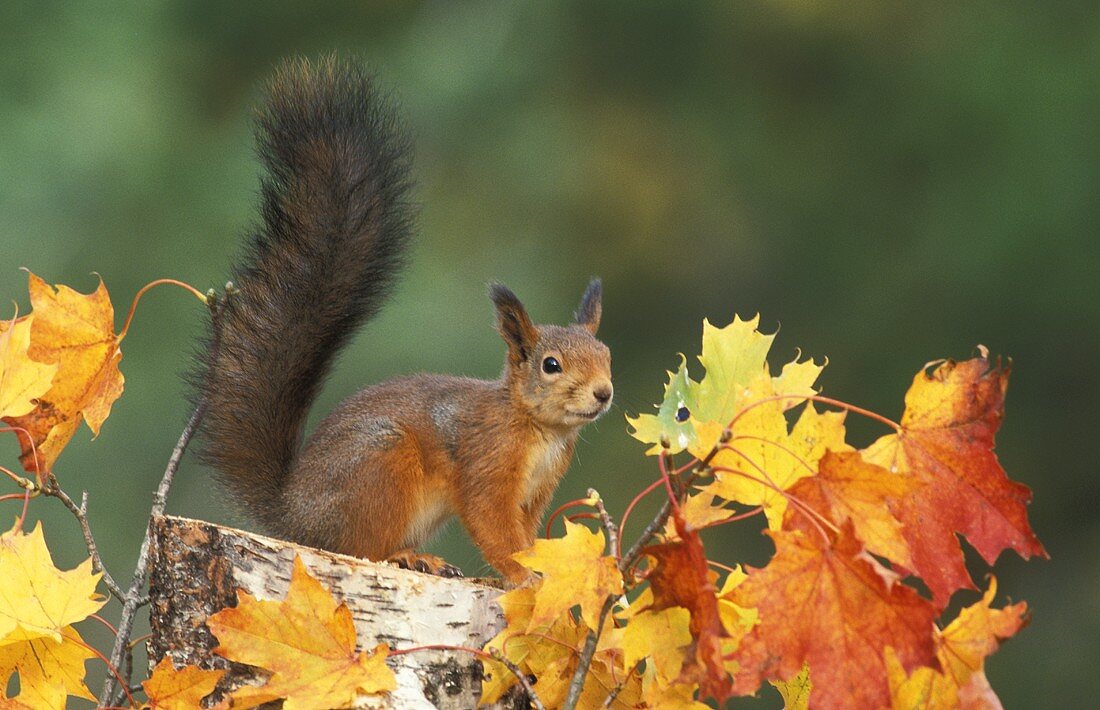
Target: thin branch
[(608, 523), (576, 685), (134, 596), (622, 684), (80, 512)]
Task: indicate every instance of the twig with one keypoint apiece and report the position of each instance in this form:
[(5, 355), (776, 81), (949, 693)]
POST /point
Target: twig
[(576, 685), (53, 490), (608, 523), (524, 681), (622, 684), (134, 596)]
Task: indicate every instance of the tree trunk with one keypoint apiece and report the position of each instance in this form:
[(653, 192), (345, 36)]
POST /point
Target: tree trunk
[(198, 567)]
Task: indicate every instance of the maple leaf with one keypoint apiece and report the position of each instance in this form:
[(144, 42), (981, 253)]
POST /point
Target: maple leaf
[(961, 648), (575, 571), (796, 691), (763, 450), (846, 488), (673, 415), (952, 411), (692, 414), (736, 619), (22, 379), (525, 646), (826, 604), (682, 578), (169, 688), (38, 599), (659, 636), (76, 332), (306, 641), (49, 671)]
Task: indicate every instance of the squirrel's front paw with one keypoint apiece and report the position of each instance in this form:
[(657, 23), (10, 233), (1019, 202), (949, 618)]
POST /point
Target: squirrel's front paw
[(428, 564)]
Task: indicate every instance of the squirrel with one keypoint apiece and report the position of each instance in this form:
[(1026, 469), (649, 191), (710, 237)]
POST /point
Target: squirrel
[(394, 461)]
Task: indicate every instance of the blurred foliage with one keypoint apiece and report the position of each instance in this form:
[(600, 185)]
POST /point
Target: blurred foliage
[(891, 183)]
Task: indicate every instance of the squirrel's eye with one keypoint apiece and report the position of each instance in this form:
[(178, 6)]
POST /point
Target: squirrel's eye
[(551, 365)]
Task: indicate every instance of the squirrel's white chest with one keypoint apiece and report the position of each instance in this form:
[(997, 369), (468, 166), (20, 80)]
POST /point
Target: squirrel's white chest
[(545, 464)]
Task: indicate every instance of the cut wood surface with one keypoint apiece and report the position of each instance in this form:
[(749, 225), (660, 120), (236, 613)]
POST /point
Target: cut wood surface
[(198, 567)]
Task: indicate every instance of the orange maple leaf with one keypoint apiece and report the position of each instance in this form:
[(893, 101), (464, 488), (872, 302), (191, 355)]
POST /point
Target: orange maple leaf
[(306, 641), (76, 332), (826, 604), (961, 648), (952, 411), (169, 688), (848, 488)]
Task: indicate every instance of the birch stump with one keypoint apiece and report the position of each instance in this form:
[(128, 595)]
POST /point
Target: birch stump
[(197, 568)]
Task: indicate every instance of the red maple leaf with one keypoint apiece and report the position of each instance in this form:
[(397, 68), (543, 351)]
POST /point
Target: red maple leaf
[(952, 411), (829, 604)]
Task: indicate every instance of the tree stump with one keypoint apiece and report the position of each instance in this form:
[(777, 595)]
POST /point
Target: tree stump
[(197, 568)]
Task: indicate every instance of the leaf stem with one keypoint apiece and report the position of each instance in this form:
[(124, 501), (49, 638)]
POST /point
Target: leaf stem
[(133, 304)]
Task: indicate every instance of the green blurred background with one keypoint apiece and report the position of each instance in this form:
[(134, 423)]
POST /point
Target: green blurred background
[(892, 184)]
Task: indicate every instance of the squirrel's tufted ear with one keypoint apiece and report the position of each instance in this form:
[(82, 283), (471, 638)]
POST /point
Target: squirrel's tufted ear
[(514, 324), (588, 313)]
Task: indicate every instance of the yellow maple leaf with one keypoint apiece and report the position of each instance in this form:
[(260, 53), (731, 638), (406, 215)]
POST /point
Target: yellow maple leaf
[(658, 636), (763, 451), (75, 331), (22, 379), (961, 648), (37, 599), (796, 691), (575, 571), (49, 671), (169, 688), (693, 414), (306, 641), (533, 650)]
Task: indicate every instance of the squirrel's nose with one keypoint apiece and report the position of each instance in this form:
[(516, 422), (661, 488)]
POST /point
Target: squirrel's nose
[(602, 394)]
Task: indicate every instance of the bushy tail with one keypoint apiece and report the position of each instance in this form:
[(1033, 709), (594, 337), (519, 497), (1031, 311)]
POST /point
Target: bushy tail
[(334, 228)]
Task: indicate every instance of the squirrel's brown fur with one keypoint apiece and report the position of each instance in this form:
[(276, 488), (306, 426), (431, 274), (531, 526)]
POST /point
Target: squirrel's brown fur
[(393, 461)]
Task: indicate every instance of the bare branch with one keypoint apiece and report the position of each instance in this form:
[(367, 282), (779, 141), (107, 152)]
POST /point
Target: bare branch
[(605, 518), (524, 681), (576, 685), (121, 650), (53, 490)]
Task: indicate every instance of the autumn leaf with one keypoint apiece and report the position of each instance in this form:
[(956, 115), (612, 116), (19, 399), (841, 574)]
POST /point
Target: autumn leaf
[(681, 577), (49, 671), (673, 415), (76, 332), (37, 599), (659, 636), (796, 691), (692, 414), (532, 649), (764, 459), (169, 688), (961, 648), (846, 488), (825, 604), (22, 380), (575, 571), (952, 411), (306, 641)]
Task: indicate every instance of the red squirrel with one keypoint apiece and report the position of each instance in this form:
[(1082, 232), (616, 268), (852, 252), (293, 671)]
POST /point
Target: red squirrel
[(394, 461)]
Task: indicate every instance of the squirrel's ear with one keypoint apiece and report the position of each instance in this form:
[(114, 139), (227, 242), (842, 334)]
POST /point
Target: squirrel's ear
[(588, 313), (513, 322)]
